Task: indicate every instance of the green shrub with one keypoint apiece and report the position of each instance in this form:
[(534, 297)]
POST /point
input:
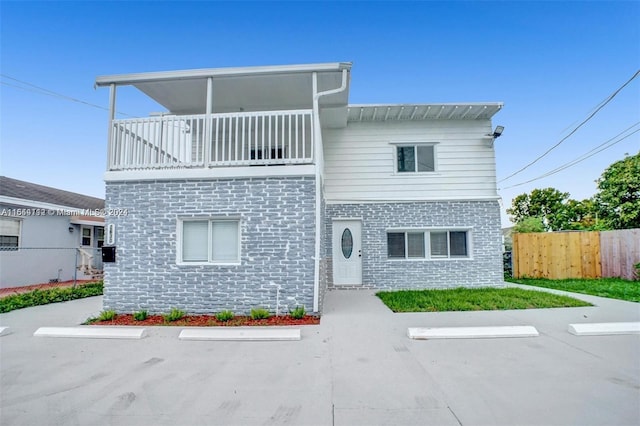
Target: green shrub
[(140, 315), (174, 315), (107, 315), (298, 313), (53, 295), (224, 316), (259, 313)]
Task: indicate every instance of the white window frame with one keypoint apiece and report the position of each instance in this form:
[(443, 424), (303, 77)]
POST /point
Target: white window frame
[(427, 244), (97, 239), (82, 228), (19, 235), (415, 146), (210, 261)]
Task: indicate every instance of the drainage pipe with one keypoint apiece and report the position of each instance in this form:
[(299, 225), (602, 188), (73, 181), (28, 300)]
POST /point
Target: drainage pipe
[(319, 165)]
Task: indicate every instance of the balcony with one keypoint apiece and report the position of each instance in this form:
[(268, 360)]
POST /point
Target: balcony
[(215, 140)]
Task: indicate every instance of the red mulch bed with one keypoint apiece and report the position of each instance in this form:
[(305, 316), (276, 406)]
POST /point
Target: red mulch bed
[(210, 321)]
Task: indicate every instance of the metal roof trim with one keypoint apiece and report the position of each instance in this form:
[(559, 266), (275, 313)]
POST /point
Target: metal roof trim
[(129, 79)]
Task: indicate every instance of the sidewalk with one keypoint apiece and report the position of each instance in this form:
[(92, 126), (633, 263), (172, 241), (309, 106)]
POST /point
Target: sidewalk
[(356, 368)]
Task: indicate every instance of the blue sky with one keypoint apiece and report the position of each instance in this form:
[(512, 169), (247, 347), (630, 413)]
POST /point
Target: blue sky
[(551, 63)]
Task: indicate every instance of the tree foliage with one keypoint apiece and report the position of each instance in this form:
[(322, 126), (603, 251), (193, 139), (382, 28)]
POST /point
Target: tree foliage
[(616, 205), (618, 198), (529, 224), (546, 204)]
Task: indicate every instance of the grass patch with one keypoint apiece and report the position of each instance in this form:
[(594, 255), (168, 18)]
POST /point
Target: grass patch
[(615, 288), (52, 295), (473, 299)]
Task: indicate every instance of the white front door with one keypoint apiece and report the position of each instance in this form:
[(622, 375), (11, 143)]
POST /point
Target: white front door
[(347, 252)]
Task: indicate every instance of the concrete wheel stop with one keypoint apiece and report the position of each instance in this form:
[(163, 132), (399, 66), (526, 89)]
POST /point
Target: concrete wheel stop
[(240, 334), (604, 328), (426, 333), (92, 332)]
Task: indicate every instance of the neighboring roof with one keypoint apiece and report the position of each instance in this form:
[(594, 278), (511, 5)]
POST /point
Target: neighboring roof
[(22, 190), (417, 112)]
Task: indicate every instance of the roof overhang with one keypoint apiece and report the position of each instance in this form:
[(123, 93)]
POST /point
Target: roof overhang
[(248, 89), (419, 112)]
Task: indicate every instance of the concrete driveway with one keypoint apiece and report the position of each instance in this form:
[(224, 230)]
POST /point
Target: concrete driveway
[(356, 368)]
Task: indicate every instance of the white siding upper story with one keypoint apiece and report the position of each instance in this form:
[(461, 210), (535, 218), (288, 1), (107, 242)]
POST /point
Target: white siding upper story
[(360, 161)]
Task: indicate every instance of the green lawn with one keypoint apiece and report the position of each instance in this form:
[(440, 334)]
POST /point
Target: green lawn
[(615, 288), (53, 295), (473, 299)]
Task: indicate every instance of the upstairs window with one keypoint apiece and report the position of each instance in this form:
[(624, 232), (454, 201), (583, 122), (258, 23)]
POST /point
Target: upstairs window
[(9, 234), (415, 158)]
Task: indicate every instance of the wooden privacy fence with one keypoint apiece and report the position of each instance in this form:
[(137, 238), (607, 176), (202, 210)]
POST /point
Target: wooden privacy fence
[(576, 254)]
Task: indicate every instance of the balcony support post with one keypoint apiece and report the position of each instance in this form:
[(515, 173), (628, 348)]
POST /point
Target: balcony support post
[(112, 115), (208, 141), (316, 142)]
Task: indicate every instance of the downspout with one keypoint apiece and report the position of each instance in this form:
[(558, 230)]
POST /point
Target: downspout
[(318, 155)]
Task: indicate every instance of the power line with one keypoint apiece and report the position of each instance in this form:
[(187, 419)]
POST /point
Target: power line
[(43, 91), (583, 157), (602, 105)]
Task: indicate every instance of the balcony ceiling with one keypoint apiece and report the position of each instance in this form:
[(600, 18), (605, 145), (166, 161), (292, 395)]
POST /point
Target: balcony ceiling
[(239, 89)]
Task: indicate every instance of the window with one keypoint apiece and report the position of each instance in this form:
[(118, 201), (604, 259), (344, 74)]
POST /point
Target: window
[(413, 244), (415, 158), (210, 241), (99, 236), (9, 234), (86, 236)]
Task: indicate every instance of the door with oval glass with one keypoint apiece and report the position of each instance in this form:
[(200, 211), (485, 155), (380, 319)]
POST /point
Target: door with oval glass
[(347, 252)]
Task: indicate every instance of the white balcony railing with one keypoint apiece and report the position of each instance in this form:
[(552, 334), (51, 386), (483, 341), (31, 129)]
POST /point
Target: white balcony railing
[(193, 141)]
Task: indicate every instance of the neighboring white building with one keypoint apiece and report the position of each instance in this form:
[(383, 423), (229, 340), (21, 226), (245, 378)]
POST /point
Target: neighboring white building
[(48, 234), (263, 183)]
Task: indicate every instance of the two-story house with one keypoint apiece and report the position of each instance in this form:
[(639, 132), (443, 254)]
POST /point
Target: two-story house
[(262, 184)]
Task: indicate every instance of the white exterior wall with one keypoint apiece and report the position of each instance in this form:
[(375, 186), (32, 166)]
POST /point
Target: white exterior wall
[(360, 162), (30, 266)]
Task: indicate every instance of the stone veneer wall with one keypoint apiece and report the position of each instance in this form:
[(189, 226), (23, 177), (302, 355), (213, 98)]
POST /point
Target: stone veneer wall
[(484, 268), (277, 221)]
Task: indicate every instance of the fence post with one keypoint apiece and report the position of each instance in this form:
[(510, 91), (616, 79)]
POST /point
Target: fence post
[(75, 270)]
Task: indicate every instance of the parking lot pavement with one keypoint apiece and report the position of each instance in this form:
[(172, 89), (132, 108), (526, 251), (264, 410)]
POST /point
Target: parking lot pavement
[(356, 368)]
